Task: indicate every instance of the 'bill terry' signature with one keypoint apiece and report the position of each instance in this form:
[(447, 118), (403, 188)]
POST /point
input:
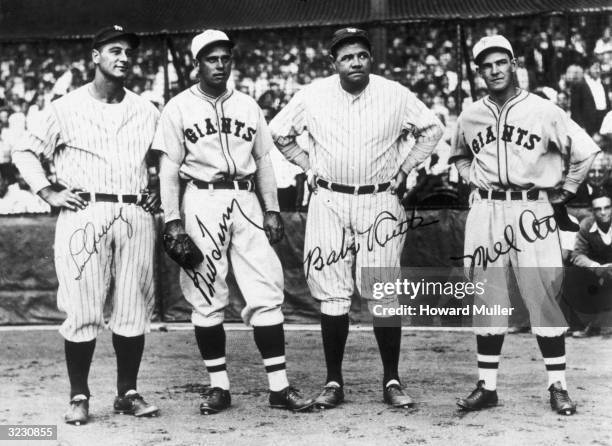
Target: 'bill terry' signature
[(87, 239), (205, 281)]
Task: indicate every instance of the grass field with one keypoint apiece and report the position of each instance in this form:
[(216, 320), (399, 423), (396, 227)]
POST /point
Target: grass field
[(436, 368)]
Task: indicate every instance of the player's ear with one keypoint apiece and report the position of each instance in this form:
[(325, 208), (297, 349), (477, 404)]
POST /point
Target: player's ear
[(95, 55), (513, 64), (332, 62)]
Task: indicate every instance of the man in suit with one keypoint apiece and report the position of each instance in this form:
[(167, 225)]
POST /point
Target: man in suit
[(589, 100)]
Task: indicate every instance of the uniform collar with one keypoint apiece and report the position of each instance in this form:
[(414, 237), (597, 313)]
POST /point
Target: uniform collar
[(351, 96), (520, 94), (196, 90)]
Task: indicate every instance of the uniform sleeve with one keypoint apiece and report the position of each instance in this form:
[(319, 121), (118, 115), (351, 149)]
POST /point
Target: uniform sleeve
[(421, 123), (460, 153), (286, 126), (169, 137), (576, 146), (40, 140), (265, 179)]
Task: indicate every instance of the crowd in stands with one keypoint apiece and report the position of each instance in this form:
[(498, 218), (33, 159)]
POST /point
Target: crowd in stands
[(571, 65)]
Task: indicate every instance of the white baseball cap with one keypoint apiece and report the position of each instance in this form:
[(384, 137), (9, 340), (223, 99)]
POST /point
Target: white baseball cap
[(206, 38), (488, 43)]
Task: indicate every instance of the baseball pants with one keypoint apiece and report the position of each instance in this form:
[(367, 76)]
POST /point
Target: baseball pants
[(226, 225), (345, 231), (105, 250), (508, 226)]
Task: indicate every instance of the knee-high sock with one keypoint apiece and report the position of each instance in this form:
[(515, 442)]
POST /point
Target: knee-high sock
[(129, 354), (270, 341), (78, 362), (388, 333), (334, 331), (211, 342), (553, 352), (489, 350)]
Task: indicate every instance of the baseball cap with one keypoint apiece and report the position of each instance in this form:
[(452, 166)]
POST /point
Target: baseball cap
[(114, 32), (206, 38), (489, 43), (349, 34)]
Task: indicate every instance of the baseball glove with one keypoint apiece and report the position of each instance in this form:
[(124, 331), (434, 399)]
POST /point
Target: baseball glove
[(179, 246), (558, 199)]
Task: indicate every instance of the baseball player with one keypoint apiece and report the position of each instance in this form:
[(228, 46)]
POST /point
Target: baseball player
[(98, 137), (360, 127), (216, 140), (520, 153)]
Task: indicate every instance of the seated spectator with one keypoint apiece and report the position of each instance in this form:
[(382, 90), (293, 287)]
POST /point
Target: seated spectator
[(597, 179), (593, 250)]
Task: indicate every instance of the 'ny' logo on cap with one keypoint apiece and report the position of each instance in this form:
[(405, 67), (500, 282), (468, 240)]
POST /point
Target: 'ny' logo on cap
[(118, 28), (351, 30)]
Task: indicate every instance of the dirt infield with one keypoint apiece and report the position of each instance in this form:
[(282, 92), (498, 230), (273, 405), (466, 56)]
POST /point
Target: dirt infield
[(436, 368)]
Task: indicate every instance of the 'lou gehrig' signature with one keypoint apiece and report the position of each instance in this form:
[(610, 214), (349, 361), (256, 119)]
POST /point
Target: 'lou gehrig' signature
[(377, 234), (209, 277), (531, 228), (86, 240)]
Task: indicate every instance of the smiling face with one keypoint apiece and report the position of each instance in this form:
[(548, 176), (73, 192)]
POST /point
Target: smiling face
[(214, 68), (353, 63), (497, 70), (113, 59)]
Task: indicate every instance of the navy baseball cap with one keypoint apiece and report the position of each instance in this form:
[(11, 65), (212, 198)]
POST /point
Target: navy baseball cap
[(349, 34), (114, 32)]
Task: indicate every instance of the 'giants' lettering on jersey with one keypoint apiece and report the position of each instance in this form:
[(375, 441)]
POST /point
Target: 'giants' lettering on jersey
[(229, 126), (510, 133)]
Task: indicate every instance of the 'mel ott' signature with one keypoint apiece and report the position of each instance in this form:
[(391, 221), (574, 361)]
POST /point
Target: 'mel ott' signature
[(86, 240), (377, 234), (531, 229), (209, 277)]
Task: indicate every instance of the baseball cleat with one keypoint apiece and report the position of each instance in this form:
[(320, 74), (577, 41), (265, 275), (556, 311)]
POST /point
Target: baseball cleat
[(394, 396), (78, 412), (291, 399), (215, 400), (560, 401), (480, 398), (134, 404), (330, 397)]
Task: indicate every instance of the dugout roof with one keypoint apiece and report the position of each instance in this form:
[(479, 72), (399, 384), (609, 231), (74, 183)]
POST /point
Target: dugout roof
[(52, 19)]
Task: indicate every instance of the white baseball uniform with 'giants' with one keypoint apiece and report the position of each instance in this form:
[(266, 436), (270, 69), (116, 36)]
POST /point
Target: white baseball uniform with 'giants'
[(106, 249), (353, 140), (529, 144), (219, 140)]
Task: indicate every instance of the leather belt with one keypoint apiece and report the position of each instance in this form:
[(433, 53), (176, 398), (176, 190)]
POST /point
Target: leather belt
[(113, 198), (353, 190), (237, 185), (531, 195)]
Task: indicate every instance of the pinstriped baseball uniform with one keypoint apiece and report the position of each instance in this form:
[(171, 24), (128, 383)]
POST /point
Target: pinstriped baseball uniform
[(216, 140), (353, 140), (106, 249), (529, 143)]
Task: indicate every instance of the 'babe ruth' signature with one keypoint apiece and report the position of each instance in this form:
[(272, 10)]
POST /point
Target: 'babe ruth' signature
[(376, 235), (86, 240), (531, 228), (208, 275)]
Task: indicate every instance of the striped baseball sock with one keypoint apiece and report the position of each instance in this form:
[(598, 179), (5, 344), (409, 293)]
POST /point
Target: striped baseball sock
[(488, 352), (211, 342), (553, 352), (270, 341)]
